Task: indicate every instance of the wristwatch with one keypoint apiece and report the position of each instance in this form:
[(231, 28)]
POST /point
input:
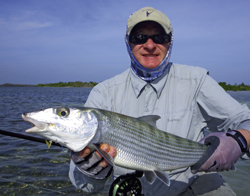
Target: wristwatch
[(240, 139)]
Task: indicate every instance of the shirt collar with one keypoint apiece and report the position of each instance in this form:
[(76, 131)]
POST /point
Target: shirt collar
[(158, 84), (137, 83)]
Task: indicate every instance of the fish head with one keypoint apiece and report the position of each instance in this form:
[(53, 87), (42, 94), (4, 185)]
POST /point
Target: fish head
[(71, 127)]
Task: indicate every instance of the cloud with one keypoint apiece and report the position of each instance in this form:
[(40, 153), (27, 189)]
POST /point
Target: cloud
[(14, 24), (31, 25)]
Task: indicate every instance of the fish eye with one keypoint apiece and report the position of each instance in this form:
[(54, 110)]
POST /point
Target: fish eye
[(63, 112)]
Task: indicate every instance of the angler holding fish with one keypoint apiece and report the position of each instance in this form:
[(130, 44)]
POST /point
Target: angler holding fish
[(184, 101)]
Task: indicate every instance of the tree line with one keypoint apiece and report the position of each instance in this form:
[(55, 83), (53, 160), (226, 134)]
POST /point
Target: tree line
[(69, 84), (235, 87), (224, 85)]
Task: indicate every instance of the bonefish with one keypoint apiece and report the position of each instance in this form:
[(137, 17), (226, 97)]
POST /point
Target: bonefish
[(139, 144)]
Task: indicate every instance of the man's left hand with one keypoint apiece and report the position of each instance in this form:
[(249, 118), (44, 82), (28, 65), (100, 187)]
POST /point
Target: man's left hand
[(227, 152)]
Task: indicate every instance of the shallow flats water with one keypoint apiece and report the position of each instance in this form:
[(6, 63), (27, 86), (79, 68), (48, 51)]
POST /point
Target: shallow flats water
[(30, 168)]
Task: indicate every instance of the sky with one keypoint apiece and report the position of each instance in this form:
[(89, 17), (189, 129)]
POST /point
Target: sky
[(50, 41)]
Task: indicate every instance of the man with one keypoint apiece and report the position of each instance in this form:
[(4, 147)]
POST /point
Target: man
[(188, 101)]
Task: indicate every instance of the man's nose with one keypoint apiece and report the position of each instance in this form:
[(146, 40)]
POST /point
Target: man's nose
[(149, 44)]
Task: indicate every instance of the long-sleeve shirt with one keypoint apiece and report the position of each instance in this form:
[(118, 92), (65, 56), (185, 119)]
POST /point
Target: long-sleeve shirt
[(186, 98)]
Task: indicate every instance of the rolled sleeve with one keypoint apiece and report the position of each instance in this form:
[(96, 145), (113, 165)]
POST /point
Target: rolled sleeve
[(223, 112)]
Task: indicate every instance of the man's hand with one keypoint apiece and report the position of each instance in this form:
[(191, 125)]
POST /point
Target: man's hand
[(91, 163), (105, 147), (226, 153)]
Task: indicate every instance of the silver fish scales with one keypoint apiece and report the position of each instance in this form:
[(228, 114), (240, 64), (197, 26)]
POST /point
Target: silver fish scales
[(139, 144), (142, 146)]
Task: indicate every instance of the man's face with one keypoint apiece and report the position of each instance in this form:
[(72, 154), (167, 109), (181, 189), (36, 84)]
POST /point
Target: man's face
[(149, 54)]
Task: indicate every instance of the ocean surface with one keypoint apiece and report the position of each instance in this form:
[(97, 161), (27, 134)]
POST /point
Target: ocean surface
[(30, 168)]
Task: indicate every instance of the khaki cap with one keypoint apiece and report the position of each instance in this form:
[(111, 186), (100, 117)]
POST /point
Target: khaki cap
[(148, 14)]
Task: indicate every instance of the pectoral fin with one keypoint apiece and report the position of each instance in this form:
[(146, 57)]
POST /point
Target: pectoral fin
[(152, 175)]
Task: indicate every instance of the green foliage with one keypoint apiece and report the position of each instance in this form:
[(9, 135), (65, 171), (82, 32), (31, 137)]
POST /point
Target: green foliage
[(69, 84), (235, 87)]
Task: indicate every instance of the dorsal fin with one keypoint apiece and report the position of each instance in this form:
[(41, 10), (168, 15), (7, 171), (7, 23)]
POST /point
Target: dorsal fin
[(150, 119)]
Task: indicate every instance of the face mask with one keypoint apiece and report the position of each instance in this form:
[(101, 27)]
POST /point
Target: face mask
[(148, 75)]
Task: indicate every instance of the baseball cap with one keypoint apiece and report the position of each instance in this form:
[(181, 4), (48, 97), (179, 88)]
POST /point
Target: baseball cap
[(148, 14)]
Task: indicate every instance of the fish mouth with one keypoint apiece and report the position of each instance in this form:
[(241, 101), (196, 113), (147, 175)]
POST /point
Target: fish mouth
[(38, 126)]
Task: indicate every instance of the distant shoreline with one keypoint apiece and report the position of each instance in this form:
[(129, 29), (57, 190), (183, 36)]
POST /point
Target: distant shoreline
[(224, 85), (17, 85), (59, 84)]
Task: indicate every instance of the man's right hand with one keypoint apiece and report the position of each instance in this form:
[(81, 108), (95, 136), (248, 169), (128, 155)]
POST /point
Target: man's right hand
[(105, 147), (91, 163)]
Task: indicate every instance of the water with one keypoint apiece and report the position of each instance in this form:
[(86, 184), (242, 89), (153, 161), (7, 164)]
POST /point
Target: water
[(30, 168)]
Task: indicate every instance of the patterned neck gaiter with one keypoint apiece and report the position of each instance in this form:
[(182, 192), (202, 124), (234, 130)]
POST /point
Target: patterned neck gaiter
[(149, 75)]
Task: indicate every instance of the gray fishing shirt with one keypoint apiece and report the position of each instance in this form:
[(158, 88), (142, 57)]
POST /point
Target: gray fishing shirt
[(188, 101)]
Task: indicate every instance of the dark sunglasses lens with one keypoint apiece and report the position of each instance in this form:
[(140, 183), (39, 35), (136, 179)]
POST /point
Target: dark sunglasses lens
[(141, 39), (161, 39), (138, 39)]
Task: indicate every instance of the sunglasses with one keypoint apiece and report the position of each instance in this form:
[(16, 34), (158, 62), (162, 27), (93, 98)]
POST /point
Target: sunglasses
[(142, 39)]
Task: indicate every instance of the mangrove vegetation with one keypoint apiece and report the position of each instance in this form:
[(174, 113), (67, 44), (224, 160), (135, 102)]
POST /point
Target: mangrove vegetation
[(69, 84), (235, 87)]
